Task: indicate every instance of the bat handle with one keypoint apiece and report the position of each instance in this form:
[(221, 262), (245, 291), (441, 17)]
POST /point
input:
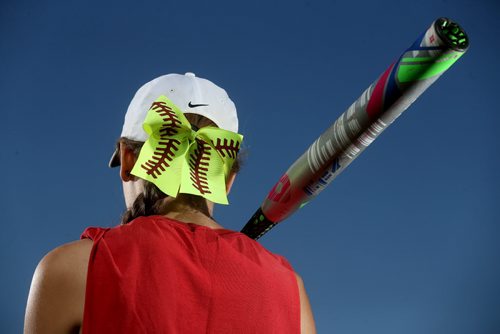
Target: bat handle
[(258, 225)]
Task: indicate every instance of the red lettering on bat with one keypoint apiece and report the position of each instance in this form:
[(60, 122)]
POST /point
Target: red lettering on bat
[(279, 189)]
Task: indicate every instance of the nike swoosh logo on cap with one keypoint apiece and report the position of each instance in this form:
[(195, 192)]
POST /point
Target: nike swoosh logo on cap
[(190, 105)]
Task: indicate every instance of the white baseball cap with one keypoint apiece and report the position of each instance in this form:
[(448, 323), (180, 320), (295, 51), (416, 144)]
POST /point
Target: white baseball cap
[(191, 94)]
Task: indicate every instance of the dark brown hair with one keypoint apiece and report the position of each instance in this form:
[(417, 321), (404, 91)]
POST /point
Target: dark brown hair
[(148, 202)]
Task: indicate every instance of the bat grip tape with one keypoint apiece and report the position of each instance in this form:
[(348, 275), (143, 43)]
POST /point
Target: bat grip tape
[(258, 225)]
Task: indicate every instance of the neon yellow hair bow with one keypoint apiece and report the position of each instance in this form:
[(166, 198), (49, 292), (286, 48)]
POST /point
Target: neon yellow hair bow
[(178, 159)]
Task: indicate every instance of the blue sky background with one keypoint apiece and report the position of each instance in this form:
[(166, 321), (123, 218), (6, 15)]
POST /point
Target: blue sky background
[(406, 240)]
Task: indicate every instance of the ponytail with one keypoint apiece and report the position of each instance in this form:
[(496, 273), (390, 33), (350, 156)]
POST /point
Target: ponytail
[(145, 204)]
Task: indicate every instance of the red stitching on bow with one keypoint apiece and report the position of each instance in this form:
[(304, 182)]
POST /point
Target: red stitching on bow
[(230, 148), (164, 152), (161, 157), (170, 120), (198, 161)]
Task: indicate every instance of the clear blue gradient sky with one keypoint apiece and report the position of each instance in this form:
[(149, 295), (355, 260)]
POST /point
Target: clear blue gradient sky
[(406, 240)]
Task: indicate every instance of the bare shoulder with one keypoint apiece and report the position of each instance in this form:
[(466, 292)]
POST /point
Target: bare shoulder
[(67, 254), (299, 278), (307, 324), (67, 262), (57, 292)]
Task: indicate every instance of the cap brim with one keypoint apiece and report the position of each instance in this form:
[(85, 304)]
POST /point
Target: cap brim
[(115, 159)]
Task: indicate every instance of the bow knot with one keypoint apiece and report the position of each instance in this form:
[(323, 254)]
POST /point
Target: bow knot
[(179, 159)]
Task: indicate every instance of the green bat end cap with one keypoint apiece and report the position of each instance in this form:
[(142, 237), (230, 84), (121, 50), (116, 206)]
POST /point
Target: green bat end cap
[(452, 34)]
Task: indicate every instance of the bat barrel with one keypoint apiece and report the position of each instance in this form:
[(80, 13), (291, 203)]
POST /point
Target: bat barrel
[(439, 47)]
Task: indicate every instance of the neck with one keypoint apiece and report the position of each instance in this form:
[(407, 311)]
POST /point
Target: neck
[(189, 209)]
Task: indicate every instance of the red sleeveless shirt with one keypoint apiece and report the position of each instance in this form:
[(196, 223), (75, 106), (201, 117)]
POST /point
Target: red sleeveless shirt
[(157, 275)]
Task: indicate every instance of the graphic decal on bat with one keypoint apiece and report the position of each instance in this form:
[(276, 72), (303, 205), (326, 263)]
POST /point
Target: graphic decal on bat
[(276, 194), (316, 186)]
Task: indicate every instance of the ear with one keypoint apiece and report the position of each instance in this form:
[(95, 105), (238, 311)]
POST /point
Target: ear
[(127, 161), (229, 182)]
